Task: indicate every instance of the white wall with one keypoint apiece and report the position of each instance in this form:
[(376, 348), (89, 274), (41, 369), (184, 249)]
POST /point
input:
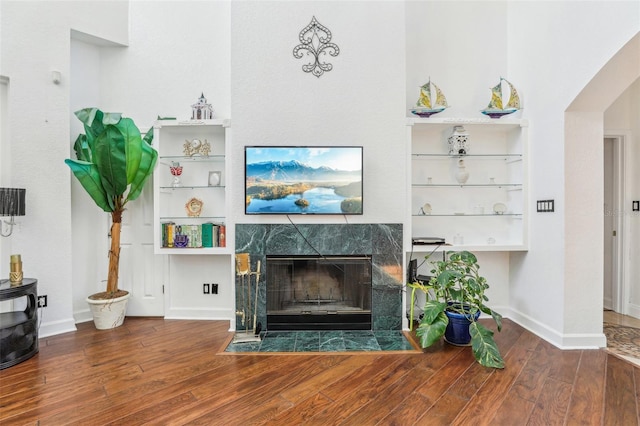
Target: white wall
[(556, 288), (36, 40), (89, 223), (177, 50), (359, 102)]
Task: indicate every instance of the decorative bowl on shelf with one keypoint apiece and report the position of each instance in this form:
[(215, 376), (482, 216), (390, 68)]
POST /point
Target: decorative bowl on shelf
[(499, 208), (425, 209)]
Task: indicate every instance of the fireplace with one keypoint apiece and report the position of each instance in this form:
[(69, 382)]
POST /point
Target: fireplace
[(378, 247), (318, 292)]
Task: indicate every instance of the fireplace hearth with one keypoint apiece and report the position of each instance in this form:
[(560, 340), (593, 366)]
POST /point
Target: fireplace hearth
[(318, 292)]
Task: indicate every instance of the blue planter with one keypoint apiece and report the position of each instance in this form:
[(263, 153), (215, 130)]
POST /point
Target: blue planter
[(457, 332)]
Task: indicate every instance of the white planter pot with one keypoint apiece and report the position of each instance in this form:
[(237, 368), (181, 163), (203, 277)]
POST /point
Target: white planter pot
[(108, 313)]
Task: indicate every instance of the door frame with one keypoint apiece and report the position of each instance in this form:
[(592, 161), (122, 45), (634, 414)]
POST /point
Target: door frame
[(620, 289)]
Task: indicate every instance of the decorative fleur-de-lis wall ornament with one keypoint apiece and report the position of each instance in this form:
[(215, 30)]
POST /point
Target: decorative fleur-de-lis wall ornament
[(315, 41)]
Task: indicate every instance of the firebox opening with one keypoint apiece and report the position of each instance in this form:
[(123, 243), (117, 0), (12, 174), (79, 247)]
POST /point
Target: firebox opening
[(319, 292)]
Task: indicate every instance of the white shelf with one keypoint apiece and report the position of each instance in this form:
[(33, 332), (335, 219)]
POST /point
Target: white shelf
[(471, 247), (170, 139), (203, 250), (497, 163)]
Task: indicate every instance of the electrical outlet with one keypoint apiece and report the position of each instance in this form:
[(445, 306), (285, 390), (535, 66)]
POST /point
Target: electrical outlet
[(206, 288), (42, 301), (214, 288)]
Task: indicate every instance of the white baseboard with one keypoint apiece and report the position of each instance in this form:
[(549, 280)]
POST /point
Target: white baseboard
[(199, 314), (560, 340), (84, 315), (633, 310), (51, 328)]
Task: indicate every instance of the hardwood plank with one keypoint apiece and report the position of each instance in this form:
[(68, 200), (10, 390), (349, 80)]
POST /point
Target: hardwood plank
[(160, 407), (636, 380), (520, 400), (620, 398), (488, 399), (321, 380), (447, 375), (376, 409), (514, 410), (301, 412), (149, 389), (551, 406), (408, 411), (588, 390), (249, 387), (361, 394)]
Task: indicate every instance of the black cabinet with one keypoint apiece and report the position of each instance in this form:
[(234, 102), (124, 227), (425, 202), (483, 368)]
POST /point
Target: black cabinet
[(19, 330)]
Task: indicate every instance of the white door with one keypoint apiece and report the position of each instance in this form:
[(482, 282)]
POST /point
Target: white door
[(609, 214), (141, 271)]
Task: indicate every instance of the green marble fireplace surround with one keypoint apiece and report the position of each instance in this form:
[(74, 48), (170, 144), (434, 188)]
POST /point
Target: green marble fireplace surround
[(382, 242)]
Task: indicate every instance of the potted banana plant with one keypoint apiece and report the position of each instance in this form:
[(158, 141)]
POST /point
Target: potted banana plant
[(455, 298), (113, 162)]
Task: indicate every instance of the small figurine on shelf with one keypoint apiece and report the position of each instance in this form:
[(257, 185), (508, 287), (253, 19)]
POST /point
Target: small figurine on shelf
[(176, 170), (201, 110)]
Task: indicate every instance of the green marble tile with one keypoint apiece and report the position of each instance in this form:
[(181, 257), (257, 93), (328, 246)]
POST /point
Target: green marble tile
[(357, 333), (392, 341), (280, 335), (332, 343), (243, 347), (361, 344), (278, 345)]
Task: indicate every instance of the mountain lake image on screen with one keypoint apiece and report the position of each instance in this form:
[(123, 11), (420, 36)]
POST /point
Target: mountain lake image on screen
[(303, 180)]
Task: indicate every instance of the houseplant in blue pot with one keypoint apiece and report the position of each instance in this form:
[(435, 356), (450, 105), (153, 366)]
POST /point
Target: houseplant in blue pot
[(114, 161), (455, 298)]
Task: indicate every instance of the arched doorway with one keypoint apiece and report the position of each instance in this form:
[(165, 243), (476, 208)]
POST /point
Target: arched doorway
[(584, 188)]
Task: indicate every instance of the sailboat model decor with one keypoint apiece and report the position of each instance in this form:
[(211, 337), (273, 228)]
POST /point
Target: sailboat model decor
[(425, 107), (495, 109)]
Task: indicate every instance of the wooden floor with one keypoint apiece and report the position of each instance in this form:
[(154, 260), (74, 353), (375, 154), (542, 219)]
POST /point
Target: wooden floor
[(154, 371)]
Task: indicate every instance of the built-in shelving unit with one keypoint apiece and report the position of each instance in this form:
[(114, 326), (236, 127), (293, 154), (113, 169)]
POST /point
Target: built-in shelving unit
[(203, 178), (488, 212)]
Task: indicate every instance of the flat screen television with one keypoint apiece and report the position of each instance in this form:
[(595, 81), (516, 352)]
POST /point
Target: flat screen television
[(303, 180)]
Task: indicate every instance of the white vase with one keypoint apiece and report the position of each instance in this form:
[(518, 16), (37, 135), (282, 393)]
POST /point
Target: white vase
[(462, 175), (108, 313)]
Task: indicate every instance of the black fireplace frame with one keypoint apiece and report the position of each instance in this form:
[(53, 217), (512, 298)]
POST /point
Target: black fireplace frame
[(337, 316)]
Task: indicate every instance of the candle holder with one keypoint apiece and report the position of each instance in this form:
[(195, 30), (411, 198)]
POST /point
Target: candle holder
[(15, 274)]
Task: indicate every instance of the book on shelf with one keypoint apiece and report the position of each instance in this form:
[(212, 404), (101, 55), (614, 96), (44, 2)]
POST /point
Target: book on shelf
[(205, 235)]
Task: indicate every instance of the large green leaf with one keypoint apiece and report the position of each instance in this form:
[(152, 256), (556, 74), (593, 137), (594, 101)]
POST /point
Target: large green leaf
[(91, 118), (496, 316), (148, 137), (133, 146), (110, 157), (431, 332), (432, 309), (144, 171), (82, 150), (89, 178), (484, 347)]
